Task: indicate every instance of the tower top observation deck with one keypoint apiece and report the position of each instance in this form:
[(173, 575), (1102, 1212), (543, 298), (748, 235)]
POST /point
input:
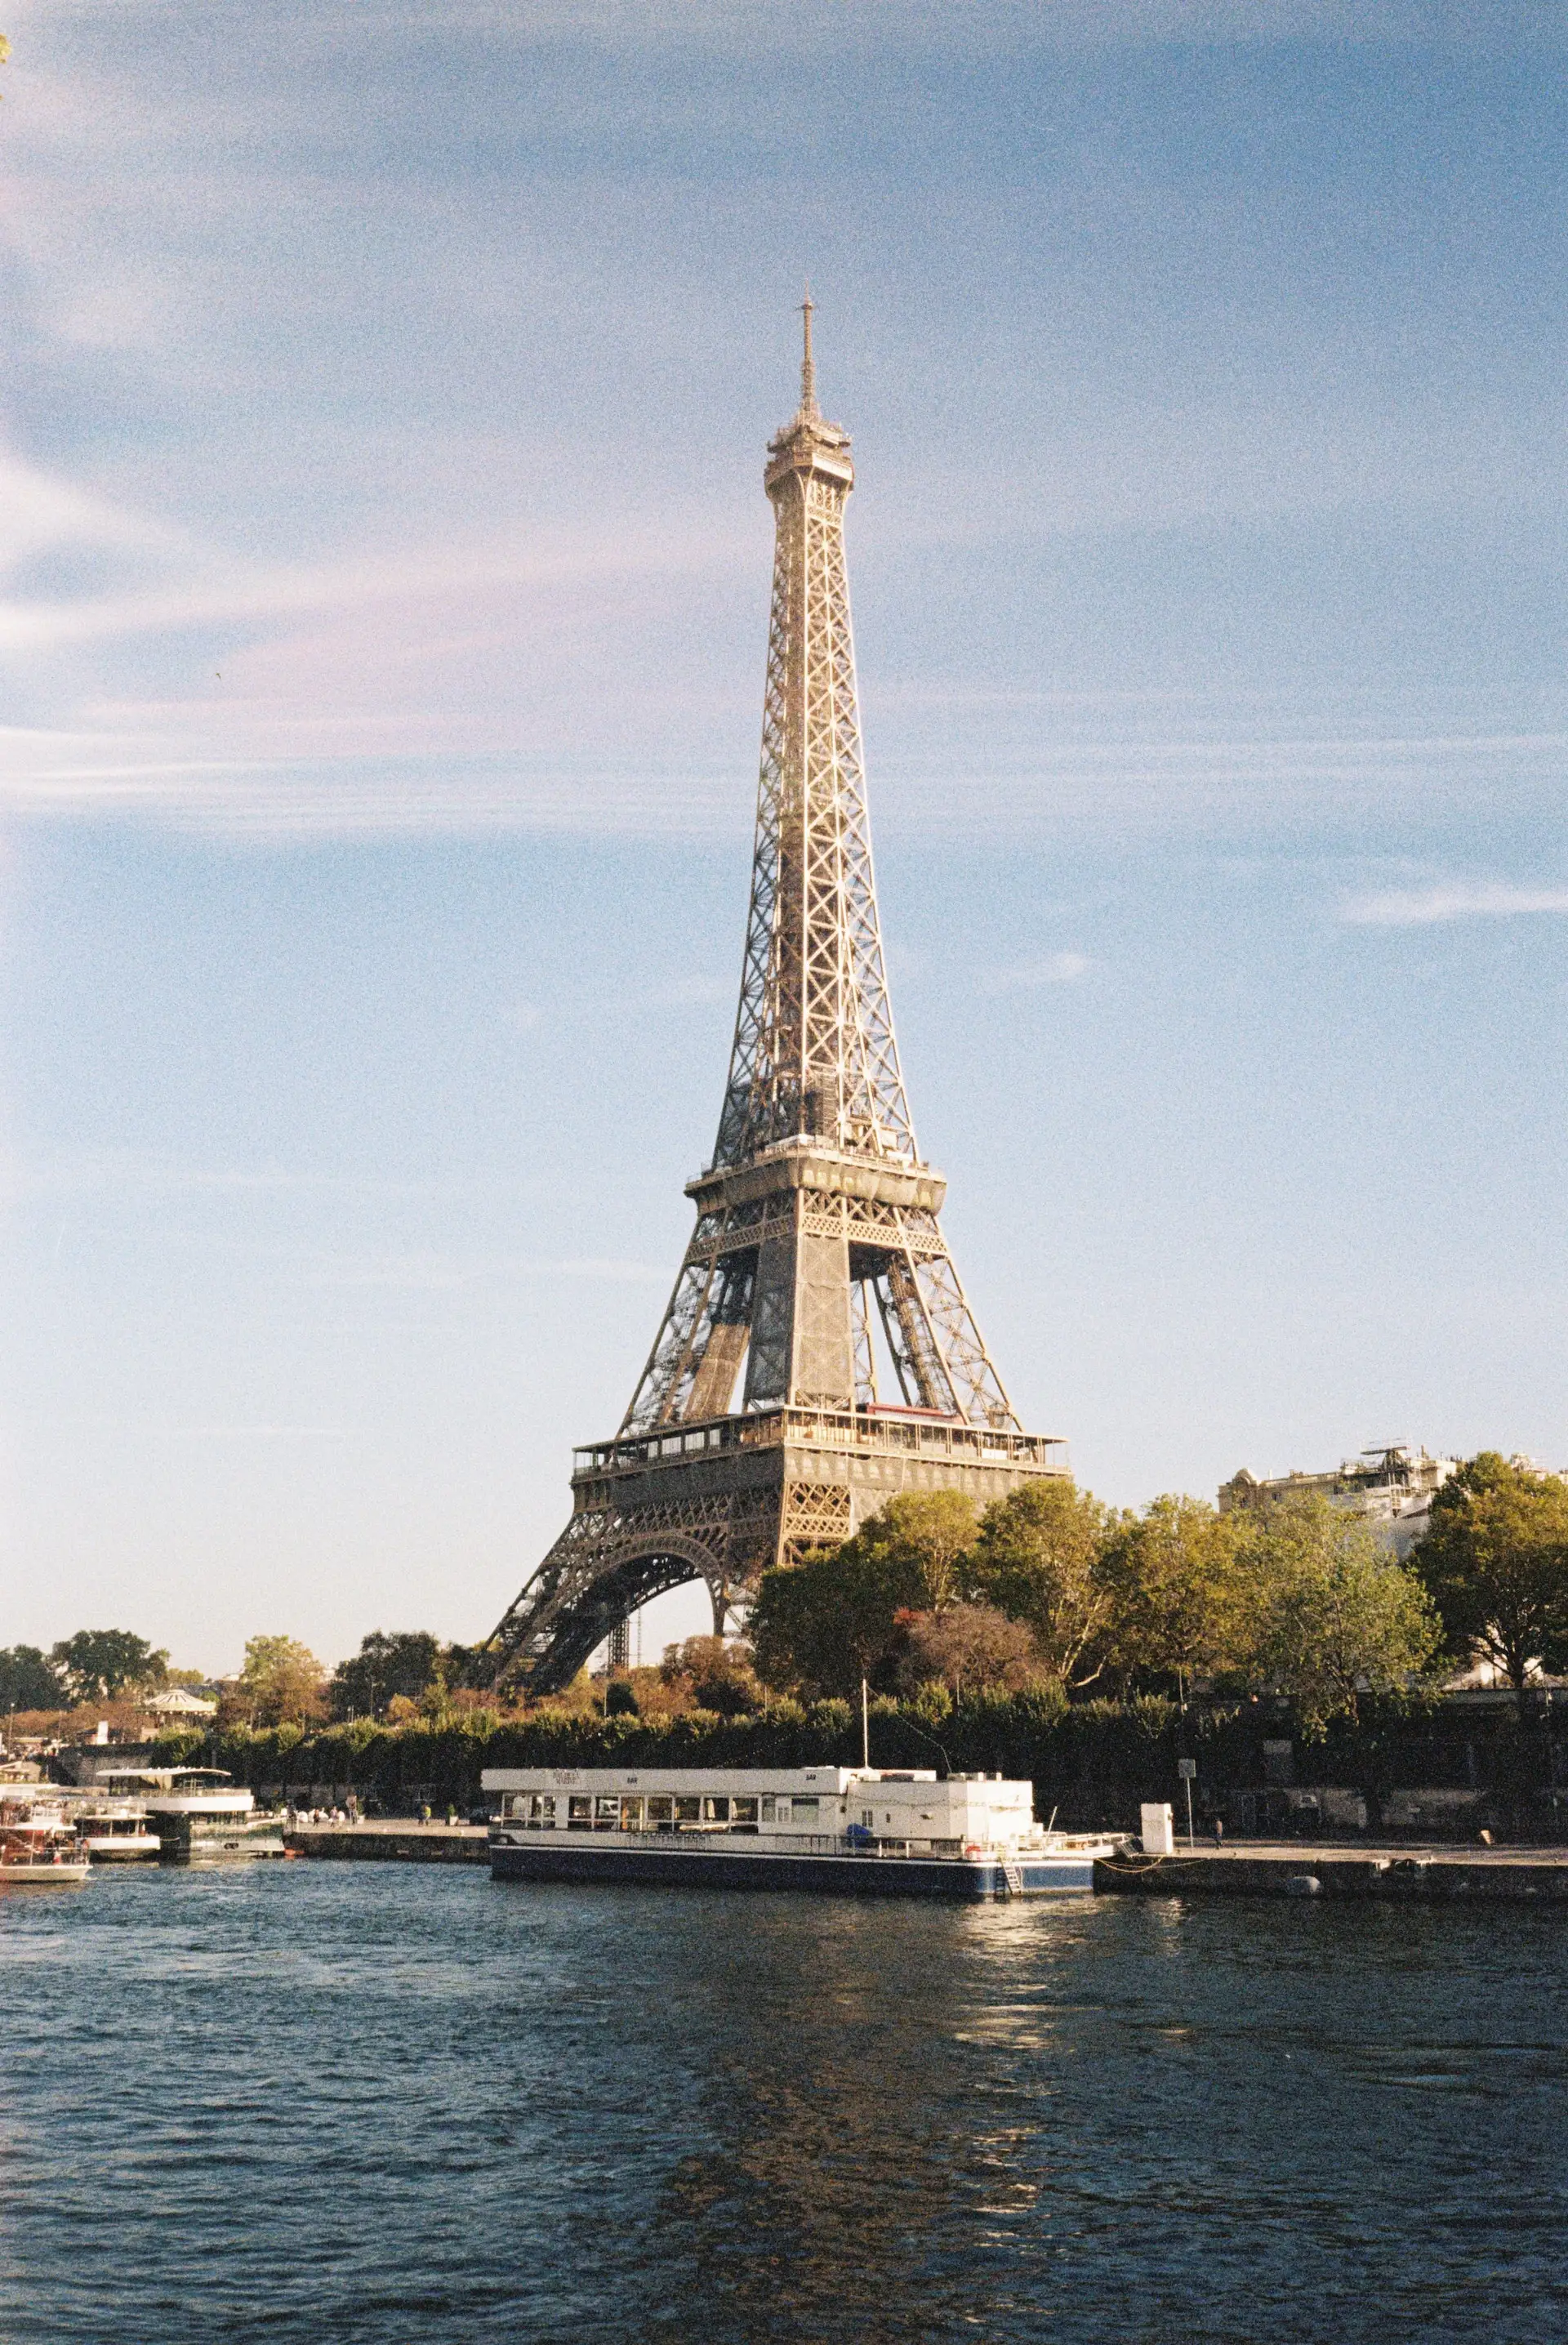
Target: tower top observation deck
[(808, 442)]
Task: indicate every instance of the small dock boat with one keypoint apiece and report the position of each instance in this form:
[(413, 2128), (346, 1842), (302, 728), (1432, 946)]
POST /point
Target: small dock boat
[(115, 1829), (200, 1815), (856, 1831), (38, 1848)]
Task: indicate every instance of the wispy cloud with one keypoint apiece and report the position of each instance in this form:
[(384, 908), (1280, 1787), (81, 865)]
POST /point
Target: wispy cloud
[(360, 795), (435, 1273), (127, 1174), (42, 512), (1056, 968), (255, 1432), (679, 993), (273, 769), (545, 559), (1462, 900)]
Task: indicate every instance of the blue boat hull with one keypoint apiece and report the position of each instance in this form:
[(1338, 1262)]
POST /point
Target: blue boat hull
[(551, 1856)]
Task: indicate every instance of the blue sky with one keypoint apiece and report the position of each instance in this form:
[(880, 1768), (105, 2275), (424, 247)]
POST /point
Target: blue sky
[(382, 613)]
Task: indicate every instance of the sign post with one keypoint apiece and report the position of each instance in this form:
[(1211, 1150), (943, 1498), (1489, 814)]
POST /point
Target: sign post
[(1187, 1769)]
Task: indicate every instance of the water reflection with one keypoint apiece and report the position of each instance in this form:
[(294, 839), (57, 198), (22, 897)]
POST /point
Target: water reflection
[(322, 2106)]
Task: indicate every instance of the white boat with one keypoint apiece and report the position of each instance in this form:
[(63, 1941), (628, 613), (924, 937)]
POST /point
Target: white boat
[(199, 1814), (114, 1829), (38, 1848), (861, 1830)]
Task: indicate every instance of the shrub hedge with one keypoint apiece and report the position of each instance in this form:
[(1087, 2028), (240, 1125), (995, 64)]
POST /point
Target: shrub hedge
[(1091, 1762)]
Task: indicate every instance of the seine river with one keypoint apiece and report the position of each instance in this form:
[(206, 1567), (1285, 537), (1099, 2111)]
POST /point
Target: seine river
[(335, 2102)]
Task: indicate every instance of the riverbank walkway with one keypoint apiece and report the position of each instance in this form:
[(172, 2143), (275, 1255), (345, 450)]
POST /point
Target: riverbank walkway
[(397, 1840)]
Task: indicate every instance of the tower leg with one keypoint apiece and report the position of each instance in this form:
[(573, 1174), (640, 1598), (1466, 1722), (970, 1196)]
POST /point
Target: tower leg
[(801, 1339)]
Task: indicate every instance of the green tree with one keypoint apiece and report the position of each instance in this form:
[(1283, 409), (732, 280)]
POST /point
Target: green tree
[(29, 1680), (1495, 1561), (822, 1624), (1037, 1559), (1334, 1615), (99, 1664), (926, 1538), (715, 1673), (1177, 1592), (281, 1683), (407, 1662), (827, 1622)]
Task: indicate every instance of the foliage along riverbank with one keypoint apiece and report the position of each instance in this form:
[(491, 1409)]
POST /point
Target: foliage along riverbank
[(1091, 1762)]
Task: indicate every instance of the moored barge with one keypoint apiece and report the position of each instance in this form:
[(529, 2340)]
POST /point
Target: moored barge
[(850, 1831)]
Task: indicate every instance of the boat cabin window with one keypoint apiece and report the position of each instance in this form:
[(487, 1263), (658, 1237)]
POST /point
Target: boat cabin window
[(770, 1808), (688, 1810), (607, 1811), (631, 1811), (799, 1807), (579, 1811), (661, 1811), (743, 1812), (716, 1811)]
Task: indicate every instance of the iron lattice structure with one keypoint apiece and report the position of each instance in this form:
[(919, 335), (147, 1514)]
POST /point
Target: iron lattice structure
[(817, 1223)]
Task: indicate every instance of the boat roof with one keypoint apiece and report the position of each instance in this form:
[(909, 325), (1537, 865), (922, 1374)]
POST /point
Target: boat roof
[(159, 1779), (731, 1781)]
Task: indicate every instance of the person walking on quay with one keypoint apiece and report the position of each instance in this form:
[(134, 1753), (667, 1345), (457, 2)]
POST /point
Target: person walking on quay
[(1218, 1831)]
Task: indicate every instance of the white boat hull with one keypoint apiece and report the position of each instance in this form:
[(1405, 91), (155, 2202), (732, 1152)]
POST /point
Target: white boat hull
[(70, 1875), (122, 1849), (704, 1861)]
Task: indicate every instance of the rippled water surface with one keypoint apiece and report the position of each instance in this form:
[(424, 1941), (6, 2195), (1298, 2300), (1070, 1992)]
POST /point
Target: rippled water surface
[(351, 2102)]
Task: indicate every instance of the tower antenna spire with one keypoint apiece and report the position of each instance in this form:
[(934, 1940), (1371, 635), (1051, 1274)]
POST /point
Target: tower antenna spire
[(807, 364)]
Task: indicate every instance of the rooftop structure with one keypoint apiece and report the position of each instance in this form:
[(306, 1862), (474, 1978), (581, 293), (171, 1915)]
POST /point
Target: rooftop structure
[(179, 1701), (1392, 1487)]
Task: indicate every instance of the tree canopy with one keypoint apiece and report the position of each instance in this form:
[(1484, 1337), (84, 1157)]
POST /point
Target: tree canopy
[(1333, 1615), (407, 1662), (970, 1646), (1495, 1562), (100, 1664), (1037, 1559), (833, 1619), (1050, 1587), (29, 1680), (1177, 1592), (281, 1683), (714, 1672)]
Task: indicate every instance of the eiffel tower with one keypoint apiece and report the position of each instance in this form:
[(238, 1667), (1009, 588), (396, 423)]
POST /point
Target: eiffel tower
[(817, 1220)]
